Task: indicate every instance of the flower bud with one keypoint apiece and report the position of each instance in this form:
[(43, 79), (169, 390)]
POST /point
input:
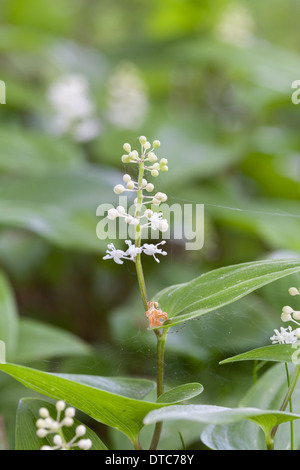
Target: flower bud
[(142, 140), (112, 214), (297, 332), (287, 310), (121, 210), (80, 430), (127, 147), (163, 161), (57, 440), (161, 196), (60, 405), (156, 166), (43, 412), (147, 145), (41, 432), (293, 291), (296, 315), (118, 189), (149, 187), (130, 185), (85, 444), (156, 144), (164, 168), (152, 157), (125, 159), (154, 173), (133, 155), (148, 213), (126, 178)]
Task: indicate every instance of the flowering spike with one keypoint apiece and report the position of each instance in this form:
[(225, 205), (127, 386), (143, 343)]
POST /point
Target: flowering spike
[(47, 425)]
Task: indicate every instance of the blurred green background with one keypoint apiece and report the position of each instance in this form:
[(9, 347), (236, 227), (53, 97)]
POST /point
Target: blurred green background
[(212, 81)]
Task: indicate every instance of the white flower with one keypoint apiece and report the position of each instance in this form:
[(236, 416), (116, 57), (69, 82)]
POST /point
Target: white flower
[(127, 104), (132, 250), (157, 222), (74, 111), (284, 336), (152, 250), (113, 253)]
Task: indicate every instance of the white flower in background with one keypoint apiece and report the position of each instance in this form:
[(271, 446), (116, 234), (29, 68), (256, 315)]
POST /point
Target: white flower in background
[(127, 103), (288, 314), (74, 111), (236, 26), (47, 425)]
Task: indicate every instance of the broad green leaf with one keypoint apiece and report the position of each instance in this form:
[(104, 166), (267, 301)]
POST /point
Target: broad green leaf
[(8, 316), (60, 206), (127, 387), (26, 152), (120, 412), (265, 419), (242, 435), (276, 353), (39, 340), (267, 393), (28, 414), (220, 287), (181, 393)]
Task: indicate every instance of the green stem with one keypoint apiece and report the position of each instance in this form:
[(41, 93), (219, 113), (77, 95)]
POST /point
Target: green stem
[(161, 335), (161, 341), (138, 237), (288, 395), (290, 406)]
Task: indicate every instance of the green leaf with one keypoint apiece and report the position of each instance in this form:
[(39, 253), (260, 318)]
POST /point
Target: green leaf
[(28, 414), (8, 316), (127, 387), (220, 287), (39, 340), (60, 206), (181, 393), (110, 408), (276, 353), (265, 419), (266, 393)]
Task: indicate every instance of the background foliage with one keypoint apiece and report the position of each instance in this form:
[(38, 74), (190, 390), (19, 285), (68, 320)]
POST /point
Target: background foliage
[(212, 81)]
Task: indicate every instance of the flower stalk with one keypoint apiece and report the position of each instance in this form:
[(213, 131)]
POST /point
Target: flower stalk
[(146, 161)]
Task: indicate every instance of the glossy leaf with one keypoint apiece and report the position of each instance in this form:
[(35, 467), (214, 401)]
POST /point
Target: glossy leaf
[(28, 414), (276, 353), (220, 287), (265, 419), (39, 340), (181, 393), (8, 316), (267, 393), (110, 408)]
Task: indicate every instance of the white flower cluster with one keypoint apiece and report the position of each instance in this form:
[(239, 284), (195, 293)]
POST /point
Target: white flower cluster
[(132, 251), (127, 104), (142, 218), (288, 335), (47, 425), (74, 110)]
